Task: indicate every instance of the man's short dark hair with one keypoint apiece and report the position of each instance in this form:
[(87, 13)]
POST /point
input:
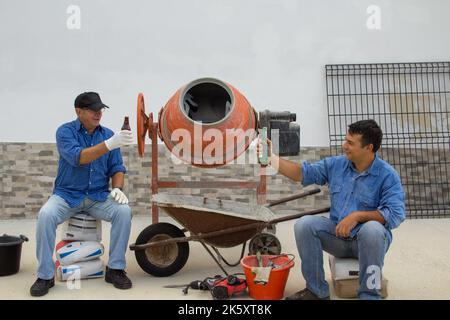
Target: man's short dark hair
[(370, 131)]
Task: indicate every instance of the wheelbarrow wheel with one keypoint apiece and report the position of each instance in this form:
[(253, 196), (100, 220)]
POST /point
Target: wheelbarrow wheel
[(164, 260), (265, 243)]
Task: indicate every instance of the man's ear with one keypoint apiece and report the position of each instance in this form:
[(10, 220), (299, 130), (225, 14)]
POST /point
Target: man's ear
[(370, 146), (78, 111)]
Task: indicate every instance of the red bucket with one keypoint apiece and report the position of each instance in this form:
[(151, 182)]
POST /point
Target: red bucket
[(274, 288)]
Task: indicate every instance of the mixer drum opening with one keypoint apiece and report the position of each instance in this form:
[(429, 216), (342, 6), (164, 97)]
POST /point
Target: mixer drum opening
[(207, 102)]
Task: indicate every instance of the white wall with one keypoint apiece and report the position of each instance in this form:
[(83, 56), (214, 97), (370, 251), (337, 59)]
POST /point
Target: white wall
[(273, 51)]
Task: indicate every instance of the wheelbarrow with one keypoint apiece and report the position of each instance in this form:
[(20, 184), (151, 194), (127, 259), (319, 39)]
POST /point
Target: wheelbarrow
[(162, 249)]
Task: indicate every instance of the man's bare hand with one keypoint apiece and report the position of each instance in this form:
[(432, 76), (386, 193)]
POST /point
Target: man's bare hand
[(347, 224), (259, 148)]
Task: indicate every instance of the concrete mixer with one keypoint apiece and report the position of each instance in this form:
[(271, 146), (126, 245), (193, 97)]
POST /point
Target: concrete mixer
[(209, 123)]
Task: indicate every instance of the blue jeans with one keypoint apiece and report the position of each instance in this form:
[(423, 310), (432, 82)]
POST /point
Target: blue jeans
[(56, 210), (315, 233)]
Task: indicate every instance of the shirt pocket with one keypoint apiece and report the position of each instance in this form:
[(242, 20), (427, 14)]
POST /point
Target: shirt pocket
[(367, 203), (336, 195)]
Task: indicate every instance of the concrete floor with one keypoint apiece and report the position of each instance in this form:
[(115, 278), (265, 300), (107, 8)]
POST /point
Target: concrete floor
[(417, 266)]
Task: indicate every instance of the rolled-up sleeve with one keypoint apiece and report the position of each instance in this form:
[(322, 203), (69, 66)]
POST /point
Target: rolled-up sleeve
[(315, 172), (115, 163), (392, 203), (68, 146)]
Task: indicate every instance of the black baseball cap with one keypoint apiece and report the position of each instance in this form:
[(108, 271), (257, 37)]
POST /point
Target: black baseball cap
[(89, 100)]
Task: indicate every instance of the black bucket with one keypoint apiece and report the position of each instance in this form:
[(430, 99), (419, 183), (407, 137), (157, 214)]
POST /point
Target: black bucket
[(10, 251)]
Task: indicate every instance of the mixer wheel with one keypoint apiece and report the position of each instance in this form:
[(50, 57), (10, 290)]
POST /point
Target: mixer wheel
[(265, 243)]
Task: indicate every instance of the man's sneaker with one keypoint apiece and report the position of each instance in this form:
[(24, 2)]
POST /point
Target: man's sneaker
[(118, 278), (305, 294), (40, 287)]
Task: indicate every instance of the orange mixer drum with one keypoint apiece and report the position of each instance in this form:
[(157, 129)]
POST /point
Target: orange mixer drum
[(207, 123)]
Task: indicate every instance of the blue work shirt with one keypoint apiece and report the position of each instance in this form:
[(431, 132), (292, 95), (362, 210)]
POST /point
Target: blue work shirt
[(378, 188), (75, 182)]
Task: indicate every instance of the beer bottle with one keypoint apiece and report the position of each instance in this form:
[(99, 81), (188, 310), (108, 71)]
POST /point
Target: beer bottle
[(126, 124), (264, 153)]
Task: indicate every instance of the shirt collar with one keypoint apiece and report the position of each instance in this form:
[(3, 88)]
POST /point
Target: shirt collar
[(374, 168), (79, 126)]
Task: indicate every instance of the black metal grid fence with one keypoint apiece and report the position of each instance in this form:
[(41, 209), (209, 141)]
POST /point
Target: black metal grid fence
[(410, 102)]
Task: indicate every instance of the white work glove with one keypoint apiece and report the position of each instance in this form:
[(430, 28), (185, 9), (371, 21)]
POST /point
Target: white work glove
[(119, 139), (119, 196)]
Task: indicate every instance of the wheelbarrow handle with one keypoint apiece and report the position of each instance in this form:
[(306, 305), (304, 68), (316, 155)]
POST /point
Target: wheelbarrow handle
[(298, 215), (294, 197)]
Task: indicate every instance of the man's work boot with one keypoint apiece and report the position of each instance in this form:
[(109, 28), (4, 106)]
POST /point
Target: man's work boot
[(305, 294), (118, 278), (40, 287)]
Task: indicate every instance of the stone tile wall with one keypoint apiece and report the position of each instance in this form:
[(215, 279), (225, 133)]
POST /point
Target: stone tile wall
[(28, 171)]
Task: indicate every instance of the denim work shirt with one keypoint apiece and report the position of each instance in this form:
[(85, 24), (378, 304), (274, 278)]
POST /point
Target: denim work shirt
[(378, 188), (74, 182)]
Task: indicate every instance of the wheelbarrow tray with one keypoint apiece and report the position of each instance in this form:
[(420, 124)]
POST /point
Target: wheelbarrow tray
[(200, 215)]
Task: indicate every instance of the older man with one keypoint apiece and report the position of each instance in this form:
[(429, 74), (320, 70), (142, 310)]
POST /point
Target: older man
[(89, 156)]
